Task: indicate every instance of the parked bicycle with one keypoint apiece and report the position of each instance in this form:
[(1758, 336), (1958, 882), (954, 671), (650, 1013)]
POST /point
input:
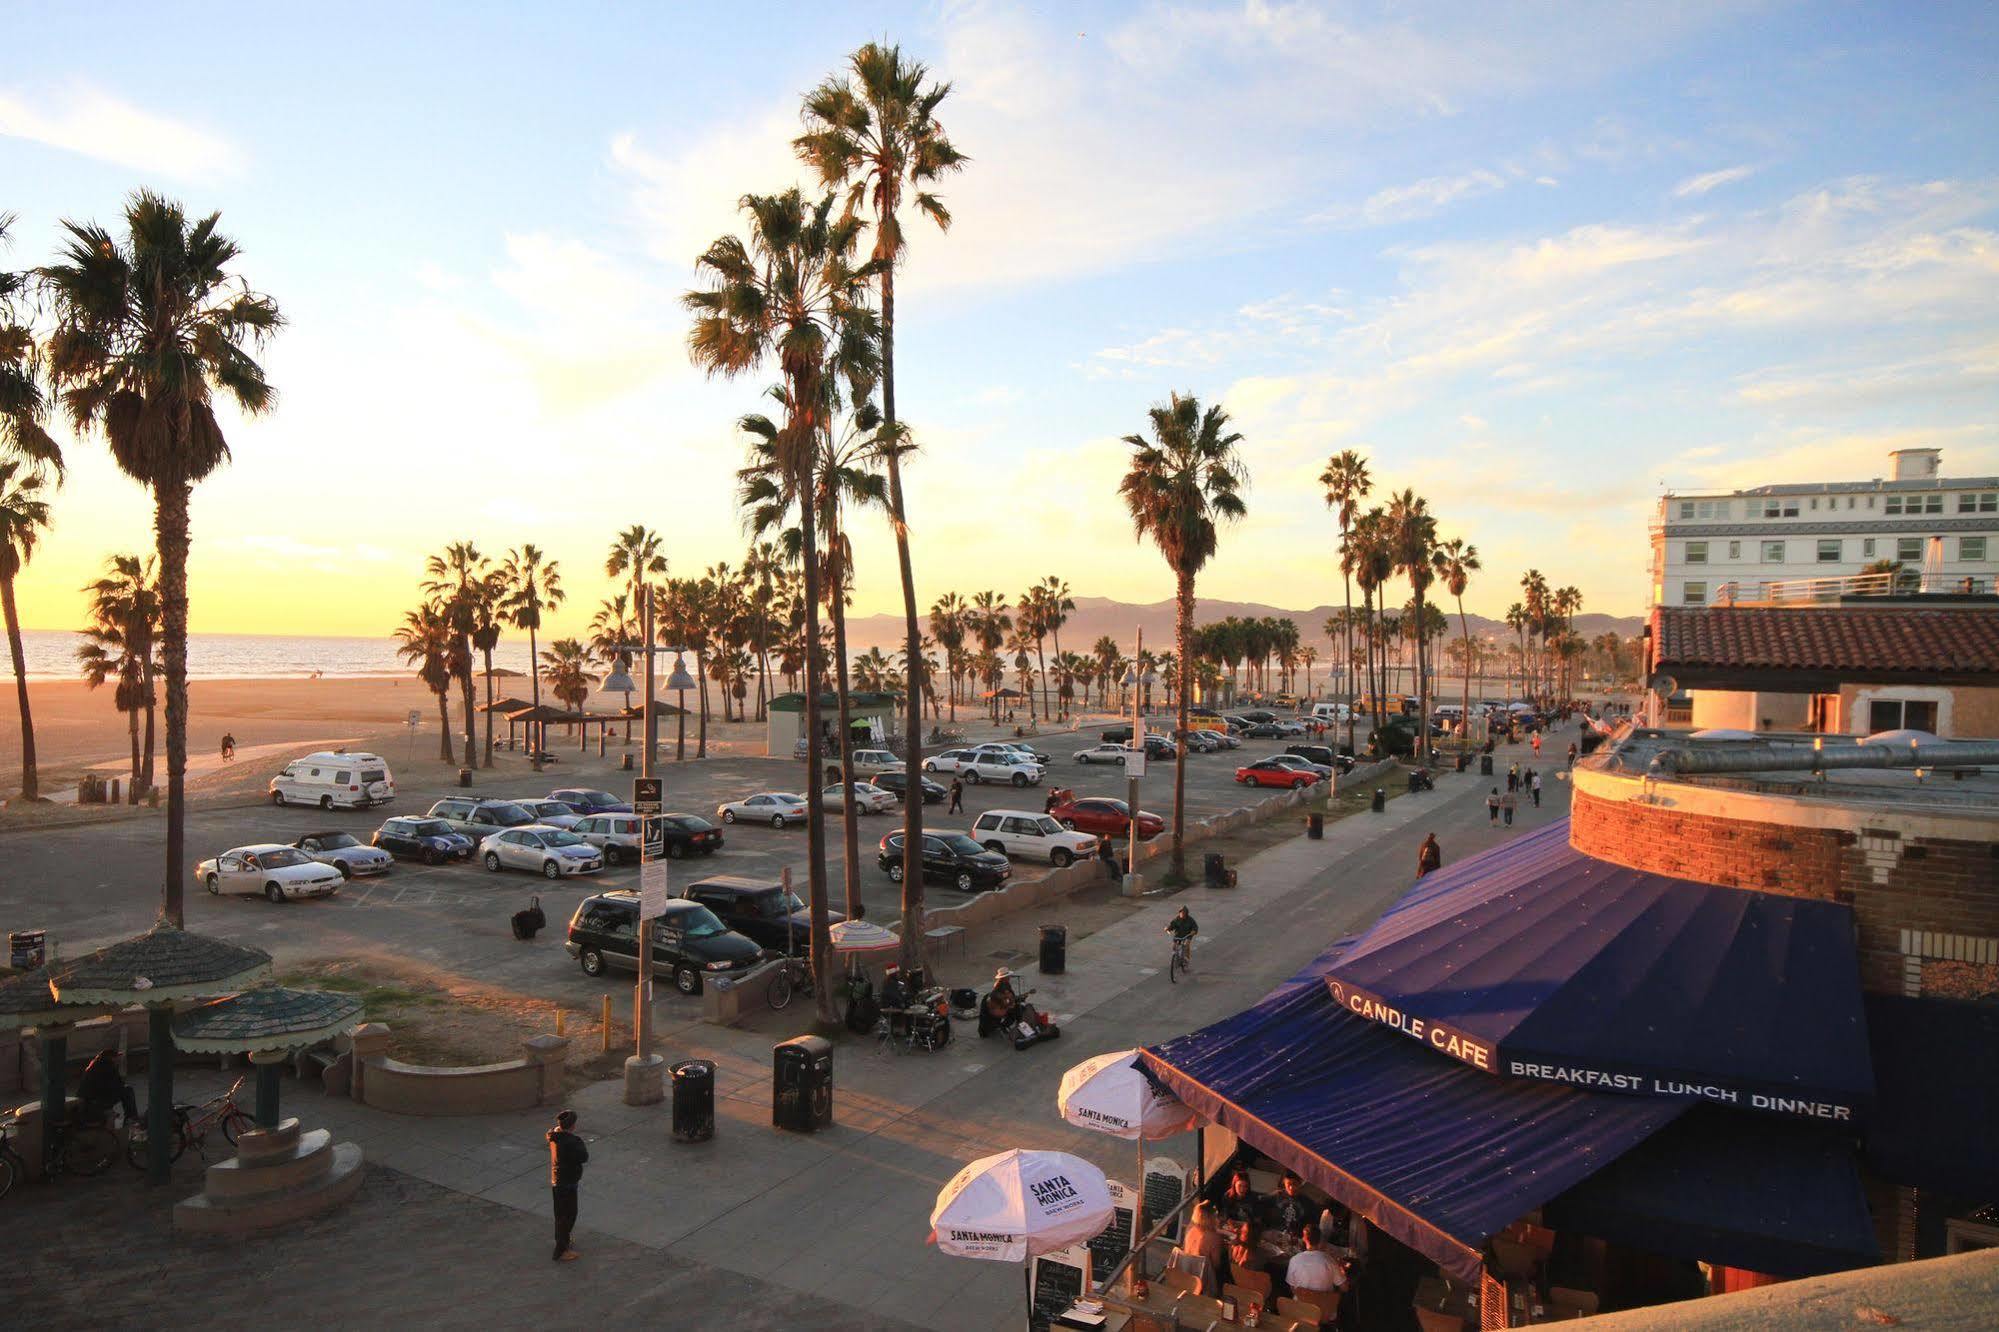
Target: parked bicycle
[(794, 976), (191, 1126), (73, 1149)]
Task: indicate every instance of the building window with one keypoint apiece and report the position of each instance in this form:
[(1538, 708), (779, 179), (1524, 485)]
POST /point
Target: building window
[(1693, 594), (1971, 548), (1870, 501), (1894, 714), (1849, 501), (1978, 501), (1815, 502), (1867, 549), (1686, 508), (1697, 552), (1735, 550), (1908, 549), (1773, 552), (1932, 503), (1894, 504), (1829, 552)]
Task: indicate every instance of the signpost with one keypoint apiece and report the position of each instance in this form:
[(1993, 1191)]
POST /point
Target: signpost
[(645, 1071), (415, 720)]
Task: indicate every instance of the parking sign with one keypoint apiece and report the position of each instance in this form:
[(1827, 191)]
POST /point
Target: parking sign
[(648, 795)]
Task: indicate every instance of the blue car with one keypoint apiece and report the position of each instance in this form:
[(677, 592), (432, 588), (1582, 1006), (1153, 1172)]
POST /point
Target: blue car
[(430, 840), (585, 801)]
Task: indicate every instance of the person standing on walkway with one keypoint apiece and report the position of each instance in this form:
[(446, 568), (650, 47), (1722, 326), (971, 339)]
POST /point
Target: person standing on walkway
[(1572, 753), (1513, 778), (1506, 804), (1534, 785), (1429, 856), (566, 1158), (1537, 744), (957, 796), (1492, 808)]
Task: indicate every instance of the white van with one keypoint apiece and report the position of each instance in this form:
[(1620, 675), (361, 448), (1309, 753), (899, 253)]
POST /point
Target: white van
[(335, 778), (1336, 712)]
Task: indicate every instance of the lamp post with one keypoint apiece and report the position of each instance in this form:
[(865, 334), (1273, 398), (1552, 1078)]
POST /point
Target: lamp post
[(643, 1078), (1135, 684)]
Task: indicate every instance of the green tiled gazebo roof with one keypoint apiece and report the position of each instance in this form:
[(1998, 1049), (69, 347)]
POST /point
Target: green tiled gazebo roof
[(162, 964), (266, 1019)]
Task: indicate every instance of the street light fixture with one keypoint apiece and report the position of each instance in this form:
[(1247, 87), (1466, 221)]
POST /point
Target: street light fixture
[(680, 682)]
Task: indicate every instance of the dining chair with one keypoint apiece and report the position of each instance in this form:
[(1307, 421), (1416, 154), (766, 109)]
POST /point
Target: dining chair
[(1258, 1282), (1304, 1311), (1184, 1282)]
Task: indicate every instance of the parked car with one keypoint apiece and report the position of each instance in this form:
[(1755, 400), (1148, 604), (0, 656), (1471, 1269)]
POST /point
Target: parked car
[(950, 761), (1322, 771), (690, 835), (1106, 817), (991, 767), (1102, 754), (480, 819), (334, 779), (340, 850), (555, 813), (583, 800), (1254, 715), (951, 858), (549, 852), (1269, 730), (432, 841), (868, 762), (618, 836), (688, 943), (1270, 772), (1115, 735), (1287, 727), (1028, 752), (1203, 741), (1325, 756), (868, 798), (1032, 836), (761, 910), (897, 784), (1160, 748), (777, 808), (1329, 712), (280, 873)]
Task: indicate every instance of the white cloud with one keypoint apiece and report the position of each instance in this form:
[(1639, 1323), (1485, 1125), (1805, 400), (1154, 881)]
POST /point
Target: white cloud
[(1418, 199), (81, 119), (1695, 186)]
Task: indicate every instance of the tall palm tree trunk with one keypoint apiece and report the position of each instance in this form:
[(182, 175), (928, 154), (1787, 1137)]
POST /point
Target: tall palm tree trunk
[(1183, 632), (470, 701), (170, 527), (132, 727), (31, 786), (534, 696), (488, 653), (815, 811), (850, 854), (444, 750), (912, 807), (1041, 667), (146, 672), (701, 680), (1464, 708)]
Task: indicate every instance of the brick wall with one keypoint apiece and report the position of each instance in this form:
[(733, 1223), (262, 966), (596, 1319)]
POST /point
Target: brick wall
[(1915, 898)]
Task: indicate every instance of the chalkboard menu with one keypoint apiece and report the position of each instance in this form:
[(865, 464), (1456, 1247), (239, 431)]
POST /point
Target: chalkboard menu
[(1059, 1279), (1108, 1249), (1165, 1185)]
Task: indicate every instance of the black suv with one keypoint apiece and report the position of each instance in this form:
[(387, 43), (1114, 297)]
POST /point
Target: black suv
[(688, 942), (951, 858), (898, 782), (760, 910), (1323, 755)]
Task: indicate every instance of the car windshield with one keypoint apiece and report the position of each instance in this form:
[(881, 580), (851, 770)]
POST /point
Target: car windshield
[(962, 844), (1047, 827), (689, 823), (281, 858), (562, 839), (553, 807), (597, 799), (431, 828), (1109, 806), (699, 923), (508, 816), (787, 797), (779, 903), (335, 841)]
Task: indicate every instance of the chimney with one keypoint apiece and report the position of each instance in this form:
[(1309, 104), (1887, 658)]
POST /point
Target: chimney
[(1916, 464)]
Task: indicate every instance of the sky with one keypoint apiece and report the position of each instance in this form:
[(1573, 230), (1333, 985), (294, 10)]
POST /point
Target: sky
[(1536, 261)]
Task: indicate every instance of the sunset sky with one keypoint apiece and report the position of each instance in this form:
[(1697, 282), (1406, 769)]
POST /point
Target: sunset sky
[(1535, 260)]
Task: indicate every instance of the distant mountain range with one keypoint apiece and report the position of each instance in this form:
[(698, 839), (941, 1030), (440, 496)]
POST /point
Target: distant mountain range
[(1095, 617)]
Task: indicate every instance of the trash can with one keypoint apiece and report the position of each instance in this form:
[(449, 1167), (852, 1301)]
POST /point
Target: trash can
[(1464, 761), (1380, 800), (1315, 825), (27, 949), (1485, 765), (693, 1101), (465, 776), (801, 1084), (1054, 949), (1214, 869)]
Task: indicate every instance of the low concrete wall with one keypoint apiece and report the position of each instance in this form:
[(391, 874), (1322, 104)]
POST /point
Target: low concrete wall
[(1366, 775), (389, 1084)]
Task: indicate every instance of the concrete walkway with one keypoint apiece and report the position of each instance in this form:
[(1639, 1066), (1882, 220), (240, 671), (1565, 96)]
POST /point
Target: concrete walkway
[(842, 1215)]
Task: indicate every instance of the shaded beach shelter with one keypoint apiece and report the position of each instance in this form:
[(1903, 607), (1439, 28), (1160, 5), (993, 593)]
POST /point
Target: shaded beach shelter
[(26, 1001), (537, 720), (504, 673), (269, 1025), (863, 936), (1019, 1204), (158, 969), (501, 707)]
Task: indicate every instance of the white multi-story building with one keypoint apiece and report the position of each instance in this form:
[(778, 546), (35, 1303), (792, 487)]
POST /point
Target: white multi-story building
[(1769, 543)]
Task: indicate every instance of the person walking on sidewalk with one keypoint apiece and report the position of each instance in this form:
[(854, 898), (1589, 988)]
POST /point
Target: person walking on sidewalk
[(1506, 804), (1513, 778), (1429, 856), (1537, 744), (1534, 785), (957, 796), (1492, 808), (566, 1158)]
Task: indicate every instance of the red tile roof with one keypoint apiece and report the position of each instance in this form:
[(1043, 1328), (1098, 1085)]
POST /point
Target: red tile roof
[(1901, 640)]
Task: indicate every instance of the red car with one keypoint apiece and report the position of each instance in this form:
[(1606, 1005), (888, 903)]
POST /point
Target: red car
[(1270, 772), (1106, 818)]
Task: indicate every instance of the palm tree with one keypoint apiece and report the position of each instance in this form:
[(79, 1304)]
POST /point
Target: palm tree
[(488, 620), (569, 678), (1455, 562), (1056, 606), (459, 576), (1184, 481), (612, 632), (790, 292), (877, 135), (1368, 559), (424, 640), (147, 332), (24, 408), (1347, 483), (23, 515), (530, 582), (1307, 655), (949, 623), (637, 556), (123, 631)]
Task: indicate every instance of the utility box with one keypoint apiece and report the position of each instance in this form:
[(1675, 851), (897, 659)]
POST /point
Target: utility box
[(801, 1084)]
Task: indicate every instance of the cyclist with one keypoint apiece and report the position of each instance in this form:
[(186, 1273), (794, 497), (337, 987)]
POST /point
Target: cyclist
[(1183, 929), (103, 1087)]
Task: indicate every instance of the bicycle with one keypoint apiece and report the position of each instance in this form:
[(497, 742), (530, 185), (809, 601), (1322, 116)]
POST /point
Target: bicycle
[(1182, 960), (73, 1149), (191, 1127), (794, 976)]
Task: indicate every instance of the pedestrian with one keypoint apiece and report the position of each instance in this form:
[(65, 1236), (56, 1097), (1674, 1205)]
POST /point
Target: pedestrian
[(1537, 744), (1572, 753), (566, 1158), (1506, 804), (957, 796), (228, 748), (1429, 856), (1513, 778), (1492, 808), (1535, 787)]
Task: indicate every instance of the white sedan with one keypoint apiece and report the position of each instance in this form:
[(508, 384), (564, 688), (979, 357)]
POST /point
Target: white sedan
[(777, 808), (1102, 754), (550, 852), (868, 798), (280, 873)]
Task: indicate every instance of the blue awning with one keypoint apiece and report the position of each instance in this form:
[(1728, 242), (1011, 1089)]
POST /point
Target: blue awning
[(1535, 961), (1746, 1191), (1936, 1123), (1436, 1154)]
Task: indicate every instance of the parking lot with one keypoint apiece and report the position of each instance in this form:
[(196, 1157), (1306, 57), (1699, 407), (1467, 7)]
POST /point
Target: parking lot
[(90, 885)]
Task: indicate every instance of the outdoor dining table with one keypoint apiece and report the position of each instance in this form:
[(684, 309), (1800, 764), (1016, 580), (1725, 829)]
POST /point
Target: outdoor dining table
[(1162, 1302)]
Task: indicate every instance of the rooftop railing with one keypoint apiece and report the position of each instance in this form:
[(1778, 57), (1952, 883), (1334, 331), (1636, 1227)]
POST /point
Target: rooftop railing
[(1808, 591)]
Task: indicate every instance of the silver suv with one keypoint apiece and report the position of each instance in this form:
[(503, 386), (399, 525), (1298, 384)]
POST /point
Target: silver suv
[(480, 819)]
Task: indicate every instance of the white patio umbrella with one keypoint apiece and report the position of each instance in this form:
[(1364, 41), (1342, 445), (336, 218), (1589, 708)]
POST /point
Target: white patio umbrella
[(1018, 1204), (863, 936), (1111, 1094)]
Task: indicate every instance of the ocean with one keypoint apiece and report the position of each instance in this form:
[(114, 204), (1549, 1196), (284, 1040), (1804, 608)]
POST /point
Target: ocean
[(51, 655)]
